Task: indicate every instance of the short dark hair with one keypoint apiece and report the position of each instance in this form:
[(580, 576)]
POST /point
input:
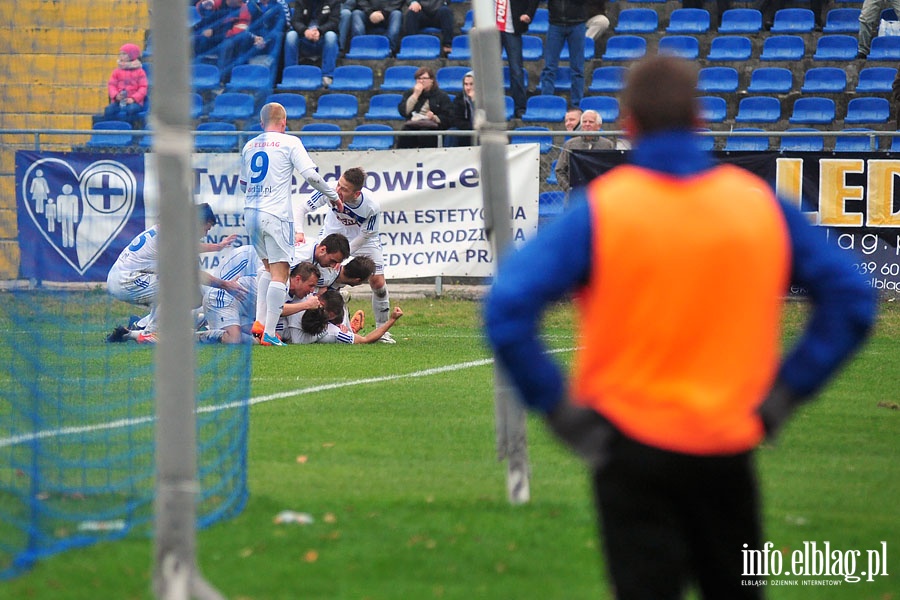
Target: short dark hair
[(661, 93), (205, 213), (359, 267), (332, 302), (314, 321), (305, 270), (336, 242), (355, 176)]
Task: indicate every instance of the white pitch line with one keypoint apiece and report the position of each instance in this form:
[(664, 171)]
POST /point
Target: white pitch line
[(48, 433)]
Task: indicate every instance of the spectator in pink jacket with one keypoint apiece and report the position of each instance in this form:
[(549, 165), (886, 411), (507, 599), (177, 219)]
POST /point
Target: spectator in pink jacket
[(127, 86)]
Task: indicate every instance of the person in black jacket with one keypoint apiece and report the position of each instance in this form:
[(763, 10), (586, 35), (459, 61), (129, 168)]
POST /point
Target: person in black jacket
[(464, 111), (383, 17), (513, 19), (567, 24), (314, 32), (430, 13), (426, 108)]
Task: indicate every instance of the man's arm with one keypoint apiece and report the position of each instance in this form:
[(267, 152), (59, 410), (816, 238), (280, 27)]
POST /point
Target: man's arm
[(375, 334), (292, 308), (315, 180)]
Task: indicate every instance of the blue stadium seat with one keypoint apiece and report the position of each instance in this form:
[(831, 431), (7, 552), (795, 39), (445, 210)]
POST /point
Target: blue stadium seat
[(824, 80), (606, 106), (255, 79), (197, 106), (563, 82), (294, 104), (545, 141), (842, 20), (869, 110), (625, 47), (383, 107), (688, 21), (419, 46), (369, 47), (468, 21), (855, 143), (637, 20), (783, 47), (540, 23), (551, 178), (771, 80), (747, 143), (336, 106), (459, 49), (111, 140), (758, 109), (300, 78), (895, 144), (399, 78), (589, 50), (875, 80), (608, 79), (837, 47), (352, 78), (510, 106), (717, 80), (320, 142), (232, 106), (793, 20), (815, 111), (216, 143), (450, 78), (205, 77), (506, 77), (731, 48), (545, 108), (551, 204), (741, 20), (683, 46), (713, 109), (372, 142), (811, 143), (885, 47), (532, 48)]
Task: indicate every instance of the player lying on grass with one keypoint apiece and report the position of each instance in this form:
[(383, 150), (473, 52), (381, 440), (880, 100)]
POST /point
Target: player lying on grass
[(324, 325)]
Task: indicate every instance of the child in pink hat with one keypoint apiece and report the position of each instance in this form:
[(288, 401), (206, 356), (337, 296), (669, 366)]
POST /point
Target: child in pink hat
[(127, 86)]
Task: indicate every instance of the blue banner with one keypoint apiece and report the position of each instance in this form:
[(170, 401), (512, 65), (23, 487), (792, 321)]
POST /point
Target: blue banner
[(76, 212)]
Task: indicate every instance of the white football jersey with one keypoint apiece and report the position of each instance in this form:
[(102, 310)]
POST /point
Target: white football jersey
[(142, 254), (268, 162), (238, 262), (356, 219)]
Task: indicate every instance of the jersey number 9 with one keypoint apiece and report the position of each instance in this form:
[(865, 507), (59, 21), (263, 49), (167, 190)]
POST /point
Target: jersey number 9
[(259, 167)]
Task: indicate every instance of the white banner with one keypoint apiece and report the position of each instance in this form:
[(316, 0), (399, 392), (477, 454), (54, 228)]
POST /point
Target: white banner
[(432, 212)]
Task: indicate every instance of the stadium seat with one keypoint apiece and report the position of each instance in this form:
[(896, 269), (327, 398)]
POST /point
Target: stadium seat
[(625, 47), (545, 141), (813, 111), (741, 20), (506, 77), (733, 48), (255, 79), (383, 107), (216, 143), (399, 78), (232, 106), (300, 78), (294, 104), (747, 143), (758, 109), (793, 20), (419, 46), (111, 140), (509, 106), (532, 48), (197, 106), (895, 144), (869, 110), (837, 47), (320, 142), (637, 20), (352, 78), (589, 50), (688, 21), (540, 23), (713, 109), (885, 47), (717, 80), (205, 77), (450, 78), (606, 106), (372, 142), (369, 47), (459, 49), (468, 21), (875, 80), (551, 204), (608, 79), (771, 80), (336, 106), (855, 143), (824, 80), (545, 108), (842, 20), (811, 143), (683, 46), (783, 47), (551, 178), (563, 82)]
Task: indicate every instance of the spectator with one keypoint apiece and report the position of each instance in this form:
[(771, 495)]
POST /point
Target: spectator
[(513, 19), (597, 22), (235, 20), (463, 109), (567, 24), (426, 107), (347, 9), (721, 7), (127, 86), (314, 32), (430, 13), (209, 30), (379, 17), (869, 18), (573, 118), (269, 19), (590, 121)]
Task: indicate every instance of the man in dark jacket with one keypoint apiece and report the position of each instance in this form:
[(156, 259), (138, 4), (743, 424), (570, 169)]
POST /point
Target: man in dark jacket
[(513, 18), (314, 32), (430, 13), (567, 24), (379, 17)]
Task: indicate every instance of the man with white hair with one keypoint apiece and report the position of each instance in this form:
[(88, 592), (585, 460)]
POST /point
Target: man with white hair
[(590, 122)]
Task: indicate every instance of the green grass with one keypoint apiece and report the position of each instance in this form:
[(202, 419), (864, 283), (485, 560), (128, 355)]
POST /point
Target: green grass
[(409, 500)]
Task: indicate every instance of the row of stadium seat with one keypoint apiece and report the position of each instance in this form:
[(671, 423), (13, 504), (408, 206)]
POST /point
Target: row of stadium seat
[(806, 110)]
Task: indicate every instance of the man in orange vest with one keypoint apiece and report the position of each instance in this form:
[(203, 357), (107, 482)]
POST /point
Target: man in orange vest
[(680, 266)]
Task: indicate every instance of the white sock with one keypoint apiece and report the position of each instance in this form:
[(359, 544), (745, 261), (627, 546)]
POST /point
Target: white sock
[(262, 288), (275, 297), (381, 305)]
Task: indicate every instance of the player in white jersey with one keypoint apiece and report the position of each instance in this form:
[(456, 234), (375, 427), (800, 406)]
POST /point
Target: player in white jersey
[(230, 319), (134, 277), (319, 326), (268, 162), (359, 219), (301, 294)]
